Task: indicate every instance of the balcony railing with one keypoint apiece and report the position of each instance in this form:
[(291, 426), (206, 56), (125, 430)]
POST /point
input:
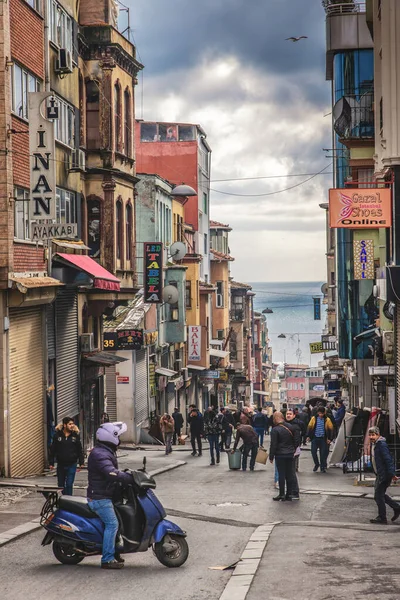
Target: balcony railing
[(341, 8), (353, 116)]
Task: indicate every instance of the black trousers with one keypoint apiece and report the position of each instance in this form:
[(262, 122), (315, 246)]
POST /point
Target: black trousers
[(382, 498), (285, 466), (177, 433), (252, 450), (193, 437)]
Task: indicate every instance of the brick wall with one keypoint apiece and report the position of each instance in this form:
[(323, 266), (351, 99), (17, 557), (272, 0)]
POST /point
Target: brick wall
[(20, 152), (28, 258), (27, 37)]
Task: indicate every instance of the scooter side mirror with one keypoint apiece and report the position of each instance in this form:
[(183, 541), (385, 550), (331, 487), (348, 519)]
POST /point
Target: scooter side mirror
[(143, 469)]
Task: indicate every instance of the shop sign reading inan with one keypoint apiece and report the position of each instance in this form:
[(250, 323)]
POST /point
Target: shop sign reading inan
[(153, 263), (360, 208)]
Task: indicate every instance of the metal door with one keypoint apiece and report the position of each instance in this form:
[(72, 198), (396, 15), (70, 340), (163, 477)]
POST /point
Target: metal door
[(67, 354), (141, 387), (111, 391)]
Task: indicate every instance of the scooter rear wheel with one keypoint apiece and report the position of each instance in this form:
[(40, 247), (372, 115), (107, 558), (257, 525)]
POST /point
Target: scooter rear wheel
[(66, 554), (172, 551)]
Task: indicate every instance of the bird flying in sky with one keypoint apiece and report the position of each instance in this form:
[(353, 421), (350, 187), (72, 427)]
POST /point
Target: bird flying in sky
[(296, 39)]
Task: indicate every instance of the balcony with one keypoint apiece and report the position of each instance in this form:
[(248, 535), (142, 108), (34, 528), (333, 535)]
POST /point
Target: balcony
[(338, 7), (236, 315), (353, 116)]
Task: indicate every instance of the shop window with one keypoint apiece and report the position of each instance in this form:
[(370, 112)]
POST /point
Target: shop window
[(117, 117), (129, 231), (92, 115), (119, 228), (94, 227), (21, 213), (127, 123)]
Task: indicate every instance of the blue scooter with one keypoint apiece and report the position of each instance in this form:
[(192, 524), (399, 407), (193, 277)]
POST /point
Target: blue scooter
[(76, 531)]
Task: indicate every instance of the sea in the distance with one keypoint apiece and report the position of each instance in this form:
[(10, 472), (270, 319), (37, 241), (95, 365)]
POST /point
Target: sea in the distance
[(293, 316)]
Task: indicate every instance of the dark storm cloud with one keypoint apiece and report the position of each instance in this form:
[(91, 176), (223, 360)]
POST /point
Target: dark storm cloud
[(174, 34)]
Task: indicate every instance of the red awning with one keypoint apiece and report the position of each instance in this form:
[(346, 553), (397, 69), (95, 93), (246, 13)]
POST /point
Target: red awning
[(102, 279)]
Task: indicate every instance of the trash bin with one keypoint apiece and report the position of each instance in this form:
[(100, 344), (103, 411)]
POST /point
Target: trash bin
[(234, 459)]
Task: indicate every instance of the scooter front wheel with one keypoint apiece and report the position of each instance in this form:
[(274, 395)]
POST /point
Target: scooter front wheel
[(172, 551), (66, 554)]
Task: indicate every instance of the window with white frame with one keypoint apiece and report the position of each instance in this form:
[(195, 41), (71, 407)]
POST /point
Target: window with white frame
[(36, 4), (65, 124), (65, 206), (60, 26), (21, 213), (220, 294), (22, 82)]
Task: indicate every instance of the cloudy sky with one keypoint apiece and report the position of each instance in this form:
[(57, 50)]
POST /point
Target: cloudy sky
[(225, 64)]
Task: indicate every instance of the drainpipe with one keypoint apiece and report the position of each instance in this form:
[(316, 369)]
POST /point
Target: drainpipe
[(46, 47)]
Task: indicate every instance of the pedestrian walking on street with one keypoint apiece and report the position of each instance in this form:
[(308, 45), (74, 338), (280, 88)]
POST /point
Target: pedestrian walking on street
[(228, 425), (250, 444), (299, 426), (304, 416), (66, 449), (103, 479), (340, 413), (383, 466), (213, 429), (167, 426), (285, 438), (260, 424), (178, 420), (196, 423), (321, 432)]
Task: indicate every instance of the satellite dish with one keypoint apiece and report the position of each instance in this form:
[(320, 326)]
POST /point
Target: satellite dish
[(170, 294), (324, 289), (178, 250)]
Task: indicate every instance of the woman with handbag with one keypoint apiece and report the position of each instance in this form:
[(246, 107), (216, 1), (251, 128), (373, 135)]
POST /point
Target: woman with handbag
[(284, 440)]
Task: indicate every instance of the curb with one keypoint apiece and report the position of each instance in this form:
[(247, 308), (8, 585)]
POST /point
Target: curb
[(243, 575), (17, 532)]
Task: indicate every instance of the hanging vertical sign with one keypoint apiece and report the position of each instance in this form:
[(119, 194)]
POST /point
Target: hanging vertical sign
[(42, 205), (194, 343), (363, 259), (153, 262), (317, 309)]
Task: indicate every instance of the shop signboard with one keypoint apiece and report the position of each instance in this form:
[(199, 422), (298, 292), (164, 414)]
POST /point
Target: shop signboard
[(152, 379), (194, 343), (41, 232), (223, 375), (367, 208), (124, 339), (121, 379), (364, 267), (210, 374), (150, 338), (316, 348), (153, 263)]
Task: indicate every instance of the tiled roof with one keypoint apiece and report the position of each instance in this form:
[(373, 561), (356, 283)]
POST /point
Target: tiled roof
[(218, 225), (220, 255), (237, 285)]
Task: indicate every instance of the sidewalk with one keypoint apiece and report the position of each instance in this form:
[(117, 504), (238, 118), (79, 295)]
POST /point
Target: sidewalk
[(20, 504)]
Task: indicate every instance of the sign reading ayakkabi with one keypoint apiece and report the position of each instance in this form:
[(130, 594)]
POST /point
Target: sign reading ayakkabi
[(153, 263), (42, 205), (360, 208), (48, 232)]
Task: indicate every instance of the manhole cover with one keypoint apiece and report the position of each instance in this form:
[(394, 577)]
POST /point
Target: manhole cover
[(224, 504)]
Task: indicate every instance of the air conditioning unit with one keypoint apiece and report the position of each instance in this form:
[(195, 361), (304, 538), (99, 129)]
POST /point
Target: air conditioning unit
[(64, 61), (87, 342), (78, 160), (387, 342), (185, 374)]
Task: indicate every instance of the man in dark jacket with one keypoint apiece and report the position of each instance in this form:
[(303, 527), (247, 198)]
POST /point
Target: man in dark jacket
[(103, 476), (196, 423), (340, 412), (260, 424), (383, 466), (284, 440), (178, 424), (300, 428), (250, 444), (66, 449), (228, 425)]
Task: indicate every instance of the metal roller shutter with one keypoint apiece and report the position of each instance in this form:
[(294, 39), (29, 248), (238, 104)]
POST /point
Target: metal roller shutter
[(111, 391), (67, 354), (171, 402), (142, 387), (26, 392), (397, 366), (51, 331)]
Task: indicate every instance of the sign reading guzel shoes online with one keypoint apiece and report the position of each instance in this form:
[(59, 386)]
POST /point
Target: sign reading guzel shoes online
[(361, 208)]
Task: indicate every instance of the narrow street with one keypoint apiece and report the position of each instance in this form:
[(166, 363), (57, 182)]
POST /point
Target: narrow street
[(320, 548)]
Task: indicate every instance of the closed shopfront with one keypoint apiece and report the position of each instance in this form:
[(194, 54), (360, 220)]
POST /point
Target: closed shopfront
[(67, 354), (397, 370), (141, 388), (26, 391), (111, 391)]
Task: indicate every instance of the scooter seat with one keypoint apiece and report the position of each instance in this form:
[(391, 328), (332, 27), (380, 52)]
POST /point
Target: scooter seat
[(76, 505)]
